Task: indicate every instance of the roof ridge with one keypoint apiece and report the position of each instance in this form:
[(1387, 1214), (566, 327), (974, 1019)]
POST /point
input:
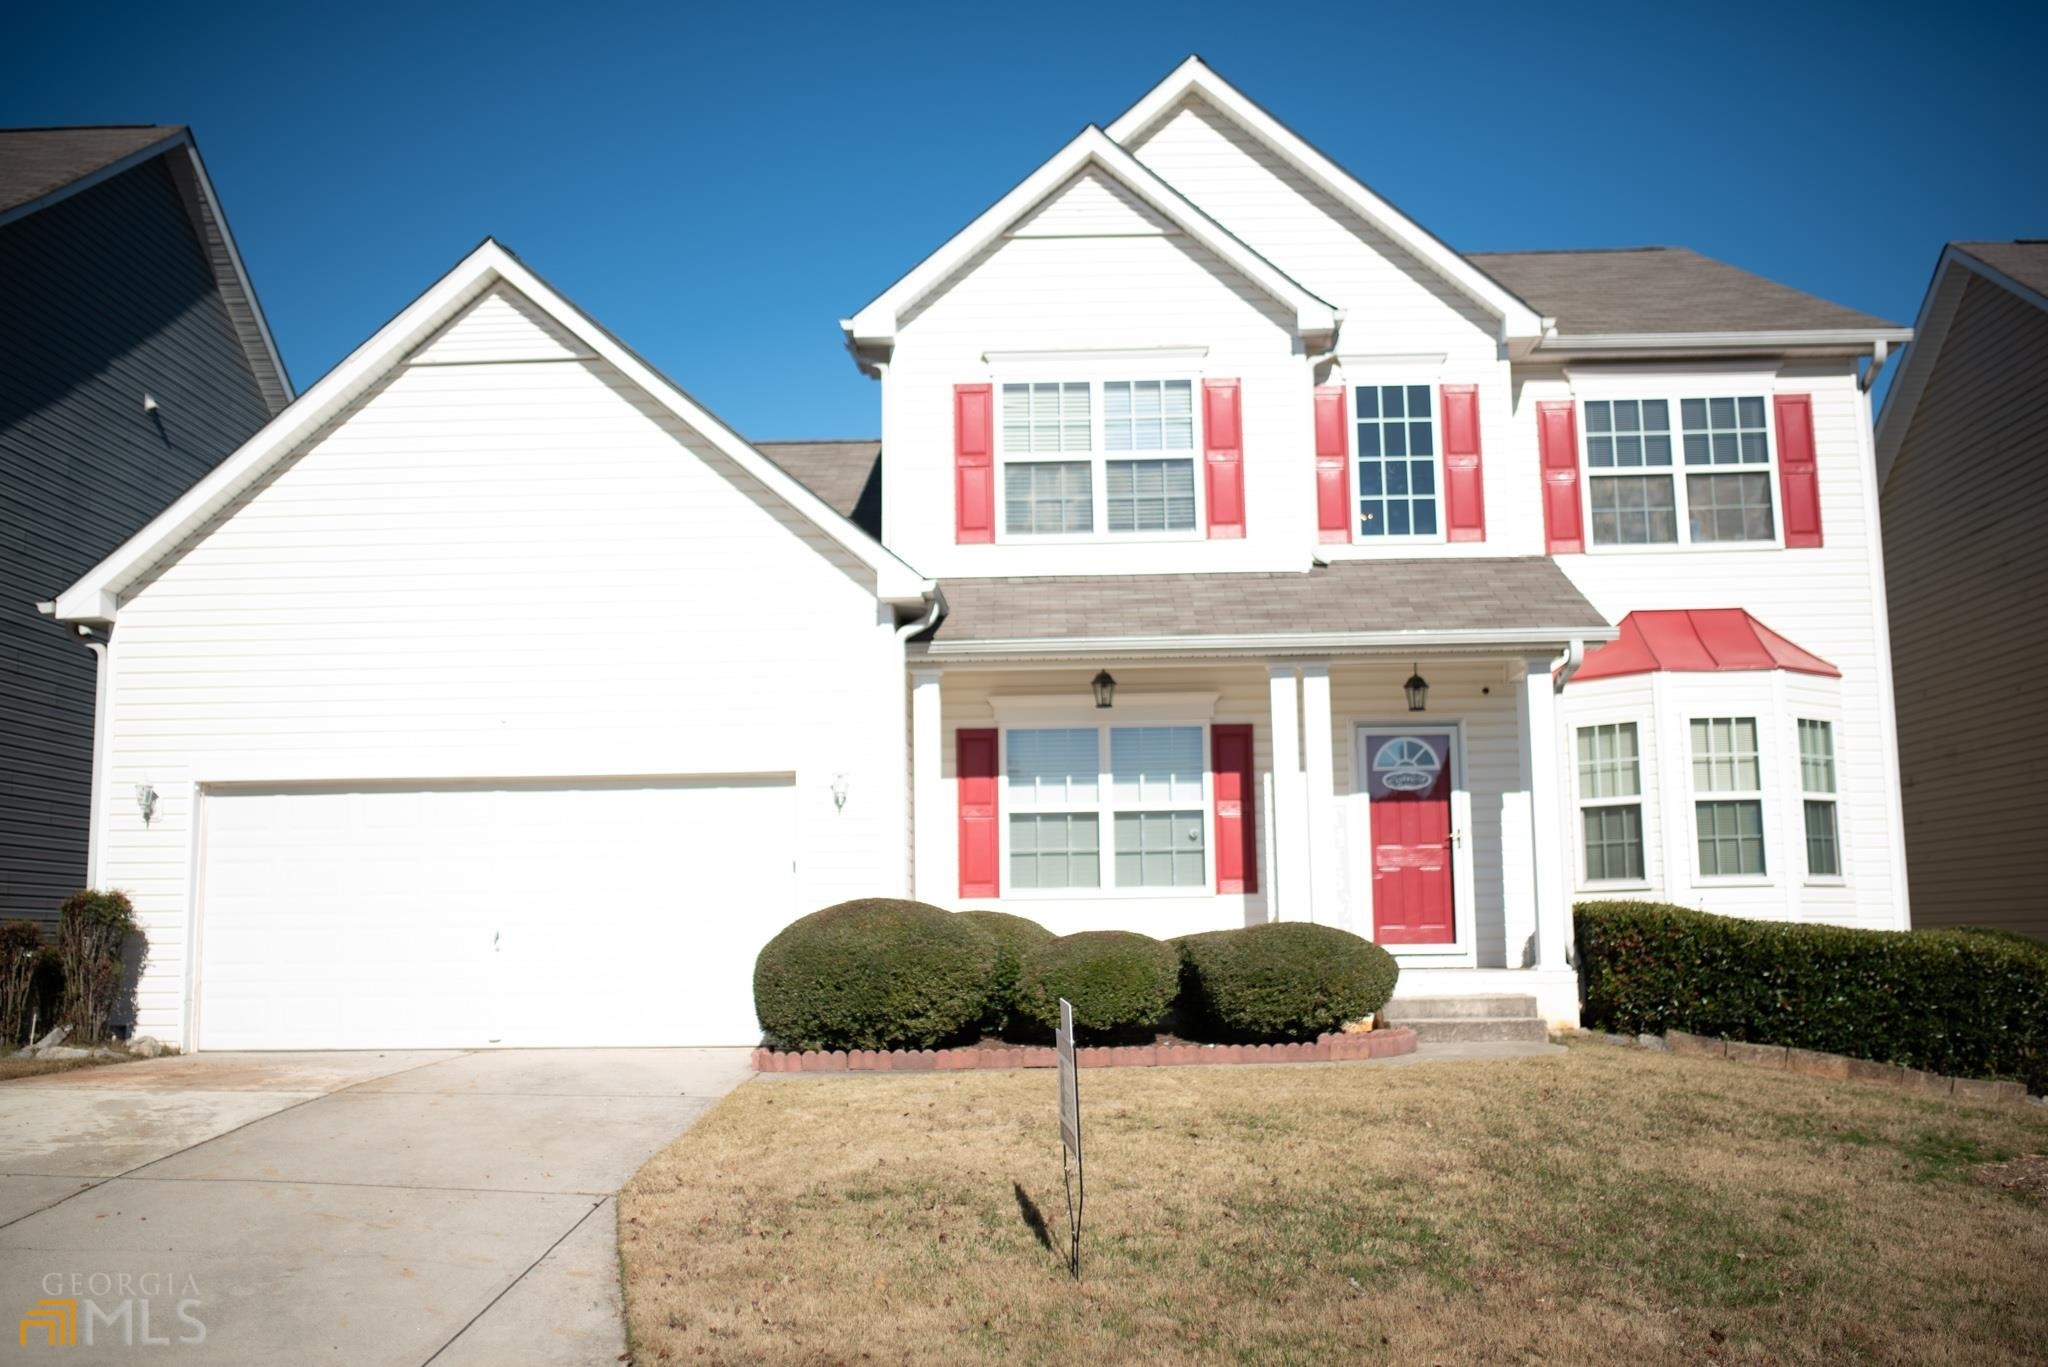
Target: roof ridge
[(83, 127)]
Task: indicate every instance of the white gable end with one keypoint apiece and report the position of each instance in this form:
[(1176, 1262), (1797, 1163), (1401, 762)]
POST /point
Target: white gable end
[(1092, 205), (503, 325)]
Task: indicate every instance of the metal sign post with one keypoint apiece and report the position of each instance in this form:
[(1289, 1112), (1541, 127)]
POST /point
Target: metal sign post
[(1070, 1135)]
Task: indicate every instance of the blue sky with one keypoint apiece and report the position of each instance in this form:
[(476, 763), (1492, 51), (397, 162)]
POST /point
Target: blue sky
[(720, 185)]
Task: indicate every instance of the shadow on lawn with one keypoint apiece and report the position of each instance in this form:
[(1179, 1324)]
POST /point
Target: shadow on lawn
[(1034, 1218)]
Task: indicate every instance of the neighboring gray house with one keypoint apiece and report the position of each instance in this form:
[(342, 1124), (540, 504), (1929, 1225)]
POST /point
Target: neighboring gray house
[(133, 358), (1962, 457)]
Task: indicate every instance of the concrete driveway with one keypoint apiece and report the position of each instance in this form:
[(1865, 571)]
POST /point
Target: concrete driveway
[(392, 1207)]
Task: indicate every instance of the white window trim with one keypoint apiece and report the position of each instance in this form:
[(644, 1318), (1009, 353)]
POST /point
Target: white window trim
[(1097, 456), (1820, 880), (1760, 795), (1581, 802), (1106, 808), (1675, 395), (1379, 379)]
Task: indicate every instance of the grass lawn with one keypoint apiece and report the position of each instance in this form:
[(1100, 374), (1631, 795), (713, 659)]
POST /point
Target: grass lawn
[(1606, 1205)]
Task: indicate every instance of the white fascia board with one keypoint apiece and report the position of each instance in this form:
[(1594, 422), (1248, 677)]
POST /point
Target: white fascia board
[(875, 325), (1195, 75), (1835, 339), (1310, 643), (95, 597)]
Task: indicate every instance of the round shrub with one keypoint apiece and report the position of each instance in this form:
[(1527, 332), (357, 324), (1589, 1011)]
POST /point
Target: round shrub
[(1014, 936), (1286, 980), (1117, 980), (873, 974)]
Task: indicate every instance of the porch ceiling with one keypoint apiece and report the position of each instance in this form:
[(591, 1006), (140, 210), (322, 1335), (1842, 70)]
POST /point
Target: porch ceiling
[(1448, 603)]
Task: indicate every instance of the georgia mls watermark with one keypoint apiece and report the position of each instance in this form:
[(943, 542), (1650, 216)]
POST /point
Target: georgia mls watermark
[(150, 1309)]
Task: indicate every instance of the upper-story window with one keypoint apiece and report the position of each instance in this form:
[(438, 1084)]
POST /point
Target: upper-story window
[(1114, 455), (1639, 494), (1397, 475)]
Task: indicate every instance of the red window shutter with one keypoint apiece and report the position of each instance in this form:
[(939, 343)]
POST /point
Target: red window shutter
[(1333, 464), (974, 767), (1464, 483), (974, 464), (1237, 853), (1223, 445), (1798, 472), (1557, 432)]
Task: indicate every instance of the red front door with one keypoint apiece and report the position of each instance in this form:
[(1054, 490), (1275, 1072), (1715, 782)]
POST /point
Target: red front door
[(1408, 787)]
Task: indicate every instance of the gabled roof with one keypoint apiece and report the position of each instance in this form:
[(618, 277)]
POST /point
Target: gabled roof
[(1696, 641), (2019, 267), (845, 472), (42, 167), (96, 597), (1638, 296), (875, 325), (1443, 604), (1194, 76)]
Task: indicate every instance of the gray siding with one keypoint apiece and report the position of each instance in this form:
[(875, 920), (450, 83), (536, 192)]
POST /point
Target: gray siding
[(1965, 559), (103, 296)]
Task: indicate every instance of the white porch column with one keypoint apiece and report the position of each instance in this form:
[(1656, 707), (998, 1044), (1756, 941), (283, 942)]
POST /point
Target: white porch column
[(1287, 862), (929, 826), (1537, 713), (1318, 766)]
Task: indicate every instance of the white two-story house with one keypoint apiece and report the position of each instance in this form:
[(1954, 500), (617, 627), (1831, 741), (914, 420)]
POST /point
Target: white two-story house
[(1238, 551)]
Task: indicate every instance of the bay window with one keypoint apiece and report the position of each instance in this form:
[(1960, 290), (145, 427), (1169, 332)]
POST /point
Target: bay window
[(1082, 456), (1610, 802), (1730, 823), (1817, 782), (1142, 785), (1711, 478)]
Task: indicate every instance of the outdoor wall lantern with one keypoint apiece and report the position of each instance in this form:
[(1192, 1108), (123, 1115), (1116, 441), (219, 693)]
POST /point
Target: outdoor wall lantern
[(1105, 689), (1417, 689), (145, 801)]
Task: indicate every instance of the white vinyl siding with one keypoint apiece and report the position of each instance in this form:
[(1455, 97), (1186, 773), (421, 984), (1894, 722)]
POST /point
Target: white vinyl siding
[(1730, 825)]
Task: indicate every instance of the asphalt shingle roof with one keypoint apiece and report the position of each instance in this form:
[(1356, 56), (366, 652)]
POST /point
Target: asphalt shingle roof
[(847, 474), (1351, 597), (1648, 290), (2025, 260), (35, 161)]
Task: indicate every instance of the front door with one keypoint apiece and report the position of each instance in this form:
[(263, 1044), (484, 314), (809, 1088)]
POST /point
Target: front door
[(1408, 788)]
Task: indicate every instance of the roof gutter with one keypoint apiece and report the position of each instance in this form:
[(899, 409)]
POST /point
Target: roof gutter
[(1288, 643), (1857, 338)]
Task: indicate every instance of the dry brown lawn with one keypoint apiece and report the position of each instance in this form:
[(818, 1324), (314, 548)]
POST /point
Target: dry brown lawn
[(1603, 1206)]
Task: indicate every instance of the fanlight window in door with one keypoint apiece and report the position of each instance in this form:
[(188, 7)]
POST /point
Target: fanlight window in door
[(1407, 764)]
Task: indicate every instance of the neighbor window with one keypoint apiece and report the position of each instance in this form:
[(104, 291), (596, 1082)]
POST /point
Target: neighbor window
[(1632, 485), (1142, 784), (1731, 822), (1610, 802), (1397, 483), (1817, 781), (1079, 456)]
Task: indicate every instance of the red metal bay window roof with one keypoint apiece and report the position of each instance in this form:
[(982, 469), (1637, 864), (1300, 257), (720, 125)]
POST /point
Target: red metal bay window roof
[(1697, 640)]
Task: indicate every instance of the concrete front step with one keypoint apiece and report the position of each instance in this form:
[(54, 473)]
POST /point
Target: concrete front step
[(1504, 1004), (1472, 1029)]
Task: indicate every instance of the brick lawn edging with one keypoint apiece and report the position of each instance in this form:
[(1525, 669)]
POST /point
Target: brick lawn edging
[(1334, 1048), (1810, 1063)]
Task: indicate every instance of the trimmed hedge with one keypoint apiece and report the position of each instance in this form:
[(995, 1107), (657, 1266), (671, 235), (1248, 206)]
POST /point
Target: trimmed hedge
[(1284, 980), (1014, 936), (1968, 1005), (1117, 980), (876, 973)]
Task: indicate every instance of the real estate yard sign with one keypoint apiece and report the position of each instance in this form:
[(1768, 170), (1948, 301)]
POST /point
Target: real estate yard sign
[(1070, 1134)]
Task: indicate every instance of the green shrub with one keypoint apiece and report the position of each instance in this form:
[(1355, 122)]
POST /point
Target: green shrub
[(1946, 1001), (1284, 980), (21, 948), (1117, 980), (93, 931), (873, 974), (1013, 937)]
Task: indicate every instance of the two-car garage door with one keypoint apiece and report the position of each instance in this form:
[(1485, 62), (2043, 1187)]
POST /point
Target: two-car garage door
[(459, 916)]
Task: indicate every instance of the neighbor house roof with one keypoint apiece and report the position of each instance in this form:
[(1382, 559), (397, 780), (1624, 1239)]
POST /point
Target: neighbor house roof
[(1444, 604), (42, 167), (1674, 292), (1697, 641), (2025, 260), (845, 472)]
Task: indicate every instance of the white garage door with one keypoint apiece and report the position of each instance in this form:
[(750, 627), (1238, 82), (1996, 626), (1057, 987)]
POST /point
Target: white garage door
[(511, 914)]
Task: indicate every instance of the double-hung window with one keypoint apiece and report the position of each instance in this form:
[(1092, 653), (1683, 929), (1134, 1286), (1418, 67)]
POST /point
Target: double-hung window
[(1728, 805), (1817, 782), (1611, 802), (1639, 495), (1140, 785), (1082, 457), (1397, 470)]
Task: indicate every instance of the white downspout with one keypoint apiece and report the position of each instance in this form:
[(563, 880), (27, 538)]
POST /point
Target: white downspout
[(900, 777), (1878, 352), (102, 667), (1574, 656)]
